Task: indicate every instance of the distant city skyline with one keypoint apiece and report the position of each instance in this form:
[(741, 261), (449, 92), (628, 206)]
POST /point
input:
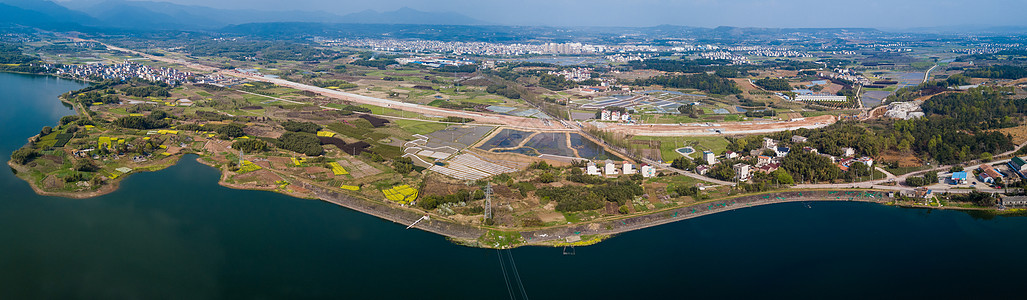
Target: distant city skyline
[(882, 14)]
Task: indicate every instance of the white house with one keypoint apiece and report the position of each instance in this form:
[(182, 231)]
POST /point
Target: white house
[(769, 143), (730, 154), (611, 168), (628, 169), (592, 169), (763, 160), (709, 157), (782, 151), (848, 152), (648, 171), (742, 172)]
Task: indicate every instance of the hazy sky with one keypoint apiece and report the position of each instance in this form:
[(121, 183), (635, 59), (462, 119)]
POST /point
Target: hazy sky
[(706, 13)]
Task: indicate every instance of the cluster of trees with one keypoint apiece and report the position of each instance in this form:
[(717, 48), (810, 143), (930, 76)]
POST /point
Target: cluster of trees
[(585, 178), (701, 81), (929, 178), (12, 59), (348, 109), (579, 198), (24, 155), (155, 120), (308, 127), (977, 198), (761, 113), (300, 142), (403, 165), (342, 84), (910, 93), (377, 63), (691, 110), (722, 171), (457, 69), (146, 91), (246, 49), (433, 201), (504, 91), (555, 82), (721, 67), (682, 163), (774, 84), (810, 167), (230, 131), (974, 114), (250, 145), (88, 98), (792, 65), (998, 72), (452, 119)]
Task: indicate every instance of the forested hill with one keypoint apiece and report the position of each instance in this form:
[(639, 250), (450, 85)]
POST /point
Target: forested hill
[(13, 60), (959, 126), (702, 81)]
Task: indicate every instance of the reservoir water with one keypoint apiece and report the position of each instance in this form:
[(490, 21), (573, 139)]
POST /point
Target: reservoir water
[(177, 234)]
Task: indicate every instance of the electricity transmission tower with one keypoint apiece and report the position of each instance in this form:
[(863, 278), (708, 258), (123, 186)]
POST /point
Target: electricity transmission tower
[(488, 201)]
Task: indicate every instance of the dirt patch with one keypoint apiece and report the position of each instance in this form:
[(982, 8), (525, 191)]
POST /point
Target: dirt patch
[(52, 182), (54, 158), (904, 160), (551, 216), (259, 178), (1019, 133), (791, 116), (433, 186), (358, 168)]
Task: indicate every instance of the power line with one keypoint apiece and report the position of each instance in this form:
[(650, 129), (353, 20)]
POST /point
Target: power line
[(506, 279), (517, 275)]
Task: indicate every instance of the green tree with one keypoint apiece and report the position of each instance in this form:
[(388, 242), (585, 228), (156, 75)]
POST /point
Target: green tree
[(231, 131), (547, 177), (24, 155), (86, 165), (783, 177), (250, 145)]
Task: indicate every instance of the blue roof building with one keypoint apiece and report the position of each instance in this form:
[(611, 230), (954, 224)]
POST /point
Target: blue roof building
[(959, 177)]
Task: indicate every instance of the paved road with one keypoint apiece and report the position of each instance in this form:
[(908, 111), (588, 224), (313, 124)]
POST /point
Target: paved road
[(927, 74)]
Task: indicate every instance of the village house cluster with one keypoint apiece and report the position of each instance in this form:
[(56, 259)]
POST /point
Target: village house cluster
[(125, 71), (766, 163), (575, 74), (613, 115), (610, 169)]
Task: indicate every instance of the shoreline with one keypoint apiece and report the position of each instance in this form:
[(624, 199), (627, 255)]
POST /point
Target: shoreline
[(590, 233)]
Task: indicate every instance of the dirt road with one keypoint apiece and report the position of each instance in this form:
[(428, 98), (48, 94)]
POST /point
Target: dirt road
[(724, 128)]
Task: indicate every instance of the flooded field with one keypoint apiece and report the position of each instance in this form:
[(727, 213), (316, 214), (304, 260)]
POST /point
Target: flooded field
[(551, 143)]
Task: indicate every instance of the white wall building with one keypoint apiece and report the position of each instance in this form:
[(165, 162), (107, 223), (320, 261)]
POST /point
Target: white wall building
[(742, 172), (611, 168), (709, 157), (848, 152), (592, 169), (648, 171), (628, 169)]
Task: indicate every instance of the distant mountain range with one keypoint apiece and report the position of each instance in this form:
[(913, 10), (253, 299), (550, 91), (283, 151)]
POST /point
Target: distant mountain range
[(147, 15)]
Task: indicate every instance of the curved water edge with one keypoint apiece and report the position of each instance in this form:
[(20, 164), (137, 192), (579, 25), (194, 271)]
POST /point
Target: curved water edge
[(155, 239), (468, 234)]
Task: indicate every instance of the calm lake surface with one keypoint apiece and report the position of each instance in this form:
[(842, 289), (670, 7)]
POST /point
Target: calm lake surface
[(177, 234)]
